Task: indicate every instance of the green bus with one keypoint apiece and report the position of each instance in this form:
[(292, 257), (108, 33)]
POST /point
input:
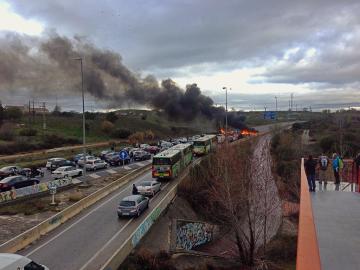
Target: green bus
[(167, 164), (186, 153), (204, 145)]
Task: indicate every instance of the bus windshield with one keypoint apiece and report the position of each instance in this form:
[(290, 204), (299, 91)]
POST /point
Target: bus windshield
[(161, 161), (199, 143)]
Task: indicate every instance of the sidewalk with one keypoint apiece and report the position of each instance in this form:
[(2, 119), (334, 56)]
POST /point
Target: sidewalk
[(337, 222)]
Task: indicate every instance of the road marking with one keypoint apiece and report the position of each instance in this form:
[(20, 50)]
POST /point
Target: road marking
[(106, 244), (78, 221), (94, 175), (140, 164), (132, 234), (127, 168), (111, 171), (112, 238)]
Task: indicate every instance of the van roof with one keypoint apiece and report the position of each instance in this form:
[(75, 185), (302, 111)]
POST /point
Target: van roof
[(8, 260)]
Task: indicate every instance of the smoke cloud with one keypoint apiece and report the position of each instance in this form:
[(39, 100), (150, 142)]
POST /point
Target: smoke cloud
[(46, 65)]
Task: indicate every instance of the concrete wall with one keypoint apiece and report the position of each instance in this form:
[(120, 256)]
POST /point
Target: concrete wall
[(53, 222)]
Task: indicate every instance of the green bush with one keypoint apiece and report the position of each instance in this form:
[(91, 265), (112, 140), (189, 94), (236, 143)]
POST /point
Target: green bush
[(7, 132), (121, 133), (28, 132)]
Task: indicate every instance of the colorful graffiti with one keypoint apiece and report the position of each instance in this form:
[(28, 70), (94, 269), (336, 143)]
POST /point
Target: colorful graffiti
[(145, 226), (193, 234), (31, 190)]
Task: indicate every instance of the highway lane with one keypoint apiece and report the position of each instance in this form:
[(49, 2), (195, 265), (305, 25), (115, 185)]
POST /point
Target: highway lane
[(92, 236)]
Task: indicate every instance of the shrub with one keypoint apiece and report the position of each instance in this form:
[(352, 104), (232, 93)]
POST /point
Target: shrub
[(111, 117), (121, 133), (327, 144), (149, 135), (137, 137), (76, 196), (107, 127), (7, 132), (13, 113), (28, 132)]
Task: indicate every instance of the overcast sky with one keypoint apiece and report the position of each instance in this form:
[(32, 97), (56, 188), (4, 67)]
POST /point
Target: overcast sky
[(259, 48)]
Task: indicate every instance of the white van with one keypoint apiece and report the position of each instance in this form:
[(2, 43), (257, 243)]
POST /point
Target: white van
[(9, 261)]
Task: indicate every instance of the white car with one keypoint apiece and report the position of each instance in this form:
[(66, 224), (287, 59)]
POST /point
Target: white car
[(9, 261), (81, 161), (51, 161), (144, 146), (93, 165), (150, 187), (66, 171)]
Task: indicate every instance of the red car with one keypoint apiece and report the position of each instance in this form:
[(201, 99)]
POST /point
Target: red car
[(152, 149)]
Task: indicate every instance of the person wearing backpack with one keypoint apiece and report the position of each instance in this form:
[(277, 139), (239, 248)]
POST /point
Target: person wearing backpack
[(336, 168), (323, 165)]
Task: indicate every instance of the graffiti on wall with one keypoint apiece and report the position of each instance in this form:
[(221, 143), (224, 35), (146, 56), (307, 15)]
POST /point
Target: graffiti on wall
[(193, 234), (34, 189), (145, 226)]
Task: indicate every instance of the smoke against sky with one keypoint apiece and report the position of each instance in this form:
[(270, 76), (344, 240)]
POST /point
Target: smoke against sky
[(265, 48)]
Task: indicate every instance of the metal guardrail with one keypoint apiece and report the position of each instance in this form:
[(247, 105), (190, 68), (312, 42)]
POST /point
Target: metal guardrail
[(31, 235), (308, 255)]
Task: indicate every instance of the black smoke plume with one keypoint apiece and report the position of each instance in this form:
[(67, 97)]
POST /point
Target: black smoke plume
[(44, 65)]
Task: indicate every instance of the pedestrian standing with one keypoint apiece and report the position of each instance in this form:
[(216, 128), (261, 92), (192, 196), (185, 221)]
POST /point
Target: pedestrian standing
[(323, 165), (135, 190), (336, 168), (310, 169)]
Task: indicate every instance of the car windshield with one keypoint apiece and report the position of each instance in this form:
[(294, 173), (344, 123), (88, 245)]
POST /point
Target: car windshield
[(127, 203)]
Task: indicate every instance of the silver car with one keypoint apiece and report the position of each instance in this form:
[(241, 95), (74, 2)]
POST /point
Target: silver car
[(132, 205), (150, 187)]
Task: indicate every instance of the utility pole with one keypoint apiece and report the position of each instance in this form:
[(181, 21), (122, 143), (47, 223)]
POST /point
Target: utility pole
[(29, 115), (276, 107), (226, 112), (33, 112), (83, 116), (44, 119)]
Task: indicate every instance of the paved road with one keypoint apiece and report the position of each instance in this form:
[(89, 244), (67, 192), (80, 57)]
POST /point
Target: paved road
[(92, 237)]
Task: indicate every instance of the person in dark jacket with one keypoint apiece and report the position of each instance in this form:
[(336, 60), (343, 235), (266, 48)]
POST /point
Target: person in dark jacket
[(310, 168), (135, 190)]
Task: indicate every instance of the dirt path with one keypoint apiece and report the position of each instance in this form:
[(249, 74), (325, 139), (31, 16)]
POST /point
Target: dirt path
[(267, 212)]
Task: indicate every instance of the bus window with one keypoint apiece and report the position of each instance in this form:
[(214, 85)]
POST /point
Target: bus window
[(161, 161), (199, 143)]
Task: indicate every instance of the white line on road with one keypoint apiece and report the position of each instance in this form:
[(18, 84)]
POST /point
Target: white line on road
[(72, 225), (112, 238), (94, 175), (106, 244), (127, 168), (140, 164), (111, 171)]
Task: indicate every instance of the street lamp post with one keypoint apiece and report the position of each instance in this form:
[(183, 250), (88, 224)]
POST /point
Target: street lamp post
[(83, 115), (226, 112), (276, 107)]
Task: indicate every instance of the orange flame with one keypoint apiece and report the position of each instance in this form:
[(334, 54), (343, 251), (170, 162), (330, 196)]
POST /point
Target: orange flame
[(247, 132)]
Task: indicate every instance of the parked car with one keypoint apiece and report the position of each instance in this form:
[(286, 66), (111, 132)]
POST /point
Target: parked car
[(132, 205), (93, 165), (105, 152), (132, 151), (149, 187), (61, 163), (17, 181), (9, 261), (78, 157), (10, 170), (81, 161), (141, 155), (152, 149), (66, 171), (144, 146), (51, 160), (115, 160), (109, 155)]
